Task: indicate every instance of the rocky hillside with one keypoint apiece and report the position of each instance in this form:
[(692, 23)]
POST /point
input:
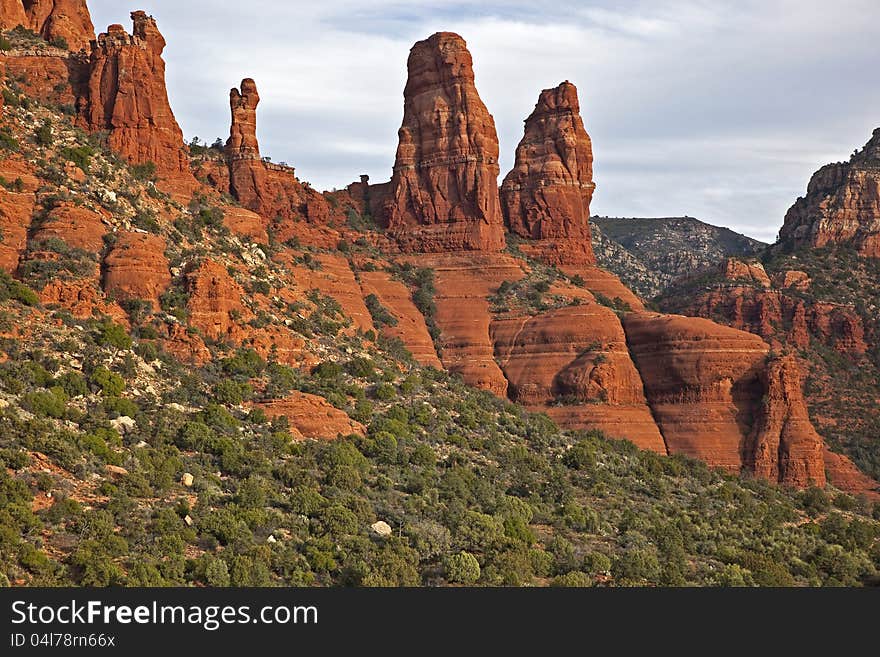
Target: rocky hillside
[(816, 294), (650, 254), (213, 374)]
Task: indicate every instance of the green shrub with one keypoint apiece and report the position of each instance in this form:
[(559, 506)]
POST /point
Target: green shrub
[(81, 156), (46, 403), (7, 141), (11, 289), (106, 382), (144, 172), (43, 135), (385, 392), (113, 335), (73, 384), (462, 568), (232, 392), (380, 314)]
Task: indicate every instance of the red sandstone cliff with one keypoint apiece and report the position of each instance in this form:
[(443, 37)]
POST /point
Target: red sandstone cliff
[(546, 196), (718, 399), (54, 20), (784, 446), (842, 205), (443, 195)]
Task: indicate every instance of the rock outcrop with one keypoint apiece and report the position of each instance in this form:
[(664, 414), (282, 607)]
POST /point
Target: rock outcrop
[(702, 382), (312, 417), (443, 195), (546, 196), (77, 226), (57, 21), (752, 273), (842, 206), (410, 327), (574, 365), (747, 299), (215, 300), (784, 445), (126, 96), (16, 210), (135, 267)]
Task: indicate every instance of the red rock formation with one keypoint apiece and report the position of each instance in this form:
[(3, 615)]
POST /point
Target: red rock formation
[(718, 398), (784, 445), (48, 76), (702, 382), (792, 278), (604, 284), (842, 206), (270, 190), (410, 327), (77, 226), (546, 196), (12, 13), (843, 474), (215, 301), (127, 97), (573, 364), (246, 224), (243, 133), (749, 272), (67, 20), (777, 315), (185, 346), (82, 299), (136, 267), (334, 278), (312, 417), (16, 211), (463, 282), (443, 194)]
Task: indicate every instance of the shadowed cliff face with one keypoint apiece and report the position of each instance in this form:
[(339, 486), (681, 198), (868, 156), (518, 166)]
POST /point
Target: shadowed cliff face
[(443, 195), (842, 206), (546, 196)]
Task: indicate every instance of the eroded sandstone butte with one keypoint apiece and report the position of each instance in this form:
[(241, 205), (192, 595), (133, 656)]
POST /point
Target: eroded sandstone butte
[(546, 196), (126, 96), (783, 445), (842, 206), (58, 21), (443, 194), (717, 398)]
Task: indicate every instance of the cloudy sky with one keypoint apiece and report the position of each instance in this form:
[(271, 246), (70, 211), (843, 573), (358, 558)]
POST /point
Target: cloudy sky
[(714, 109)]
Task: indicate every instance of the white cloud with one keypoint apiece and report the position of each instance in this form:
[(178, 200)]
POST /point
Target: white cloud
[(701, 107)]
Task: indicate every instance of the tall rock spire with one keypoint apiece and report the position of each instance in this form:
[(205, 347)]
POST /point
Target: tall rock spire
[(243, 133), (127, 96), (443, 195), (546, 196)]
